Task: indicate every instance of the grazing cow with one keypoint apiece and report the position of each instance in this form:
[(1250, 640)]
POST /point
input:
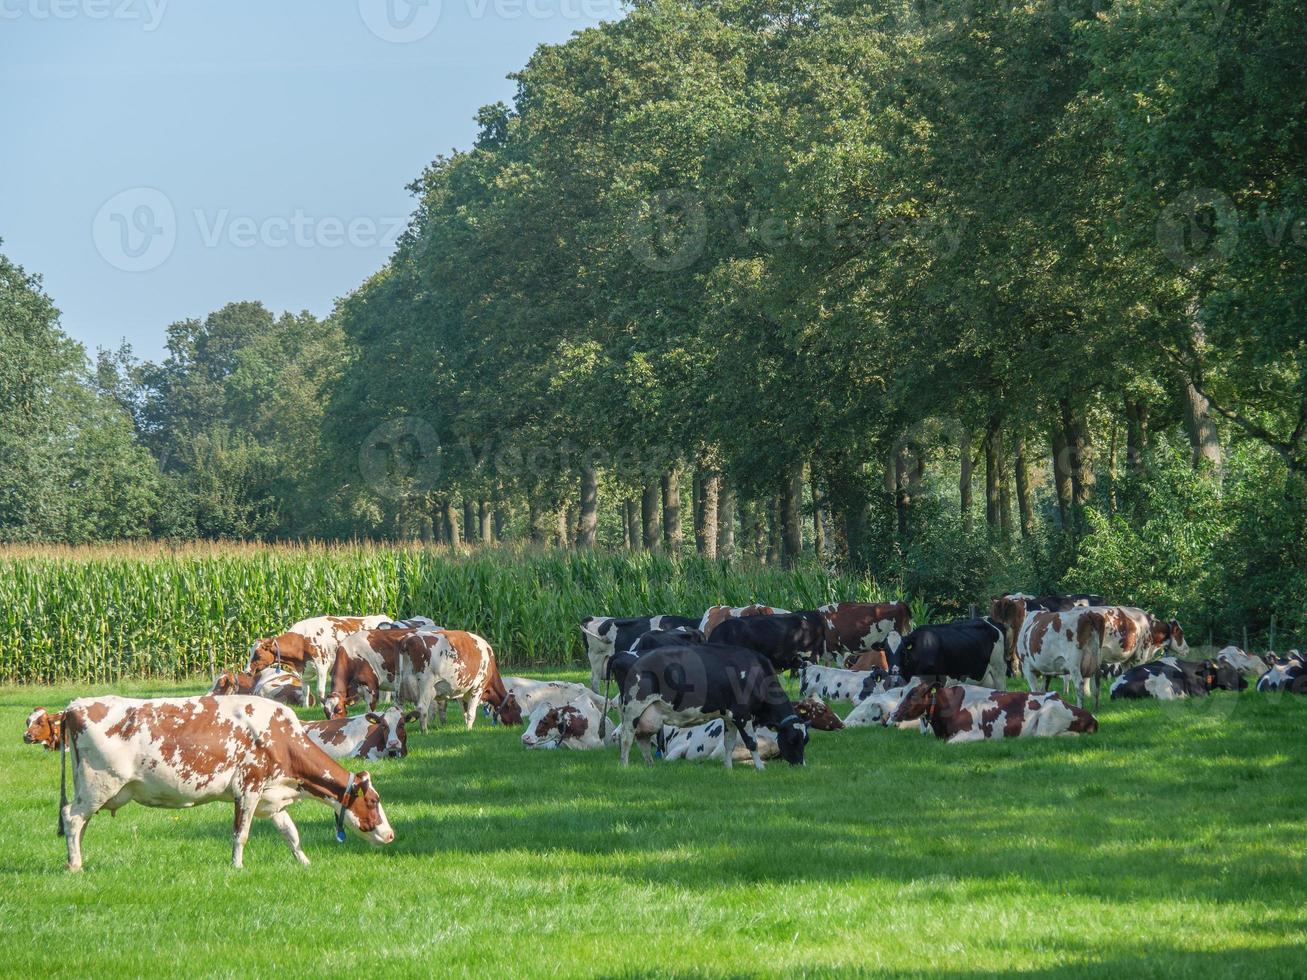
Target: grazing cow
[(575, 725), (1289, 675), (371, 736), (523, 695), (44, 728), (964, 648), (716, 615), (856, 627), (310, 643), (180, 752), (691, 685), (1249, 665), (605, 635), (707, 742), (1078, 642), (832, 683), (368, 661), (1169, 679), (786, 639), (275, 683), (1004, 714)]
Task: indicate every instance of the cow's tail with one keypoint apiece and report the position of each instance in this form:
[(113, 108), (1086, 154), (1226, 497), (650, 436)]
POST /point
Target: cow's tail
[(67, 730)]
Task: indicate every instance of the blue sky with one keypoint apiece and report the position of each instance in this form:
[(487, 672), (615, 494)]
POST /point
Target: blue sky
[(160, 158)]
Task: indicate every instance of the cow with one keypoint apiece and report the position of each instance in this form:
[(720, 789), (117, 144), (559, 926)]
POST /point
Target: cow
[(413, 623), (1289, 675), (369, 736), (1003, 714), (786, 639), (275, 683), (965, 648), (707, 741), (1169, 679), (181, 752), (875, 657), (1010, 612), (916, 700), (690, 685), (832, 683), (523, 695), (310, 643), (714, 616), (619, 664), (575, 725), (876, 709), (1249, 665), (606, 635), (44, 728), (1078, 642), (367, 661), (855, 627)]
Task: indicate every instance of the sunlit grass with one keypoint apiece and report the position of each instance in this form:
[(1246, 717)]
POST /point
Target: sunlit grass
[(1171, 843)]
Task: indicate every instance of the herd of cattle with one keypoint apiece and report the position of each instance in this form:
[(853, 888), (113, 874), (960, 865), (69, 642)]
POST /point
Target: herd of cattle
[(681, 688)]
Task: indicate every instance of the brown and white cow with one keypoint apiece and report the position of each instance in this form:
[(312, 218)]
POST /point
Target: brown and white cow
[(575, 725), (714, 616), (450, 665), (274, 682), (310, 643), (1004, 714), (855, 627), (370, 736), (181, 752), (1078, 642), (44, 728), (366, 663), (523, 695)]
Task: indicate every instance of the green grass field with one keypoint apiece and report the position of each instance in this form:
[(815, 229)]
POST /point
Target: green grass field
[(1173, 843)]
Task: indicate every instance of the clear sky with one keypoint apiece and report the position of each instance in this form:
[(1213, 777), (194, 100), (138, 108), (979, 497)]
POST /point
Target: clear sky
[(159, 158)]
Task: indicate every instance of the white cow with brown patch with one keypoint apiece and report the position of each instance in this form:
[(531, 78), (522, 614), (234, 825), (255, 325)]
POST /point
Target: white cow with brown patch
[(1077, 643), (369, 736), (523, 695), (310, 644), (182, 752), (575, 725), (450, 665)]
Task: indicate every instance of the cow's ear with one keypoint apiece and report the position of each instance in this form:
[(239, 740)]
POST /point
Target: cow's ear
[(362, 782), (373, 717), (412, 716)]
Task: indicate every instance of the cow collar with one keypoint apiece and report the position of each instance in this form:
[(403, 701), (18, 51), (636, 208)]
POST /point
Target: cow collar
[(340, 814), (787, 719)]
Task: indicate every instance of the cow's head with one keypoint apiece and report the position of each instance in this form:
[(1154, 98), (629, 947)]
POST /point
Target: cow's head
[(1168, 635), (1221, 676), (225, 683), (334, 706), (43, 728), (916, 699), (1009, 612), (396, 744), (817, 714), (555, 726), (791, 738), (509, 711), (288, 648), (360, 807), (600, 636)]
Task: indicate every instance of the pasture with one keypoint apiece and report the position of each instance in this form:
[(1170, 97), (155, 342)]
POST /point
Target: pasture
[(1169, 844)]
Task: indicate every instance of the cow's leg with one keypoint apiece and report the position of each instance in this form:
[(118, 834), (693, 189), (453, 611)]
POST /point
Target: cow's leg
[(750, 740), (646, 748), (442, 705), (76, 815), (286, 826), (728, 741), (470, 704), (244, 816)]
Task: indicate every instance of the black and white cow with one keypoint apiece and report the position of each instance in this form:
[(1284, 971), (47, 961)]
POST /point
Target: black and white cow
[(1285, 674), (606, 635), (965, 648), (1170, 679), (788, 640), (690, 685)]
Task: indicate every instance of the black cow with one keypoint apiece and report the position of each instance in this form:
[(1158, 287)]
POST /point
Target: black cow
[(691, 685), (1168, 679), (619, 664), (964, 648), (786, 640)]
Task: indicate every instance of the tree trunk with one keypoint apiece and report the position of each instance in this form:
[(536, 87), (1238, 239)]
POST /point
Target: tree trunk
[(672, 537), (487, 528), (964, 482), (696, 511), (1204, 442), (649, 516), (451, 522), (792, 516), (1004, 494), (818, 522), (775, 535), (852, 510), (1079, 452), (726, 521), (992, 478), (589, 508), (1062, 476), (712, 493), (533, 520), (469, 520), (500, 519), (1136, 433), (565, 527), (902, 498), (630, 536), (1024, 505)]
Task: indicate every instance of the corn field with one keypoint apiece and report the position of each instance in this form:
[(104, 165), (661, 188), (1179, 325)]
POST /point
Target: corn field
[(150, 611)]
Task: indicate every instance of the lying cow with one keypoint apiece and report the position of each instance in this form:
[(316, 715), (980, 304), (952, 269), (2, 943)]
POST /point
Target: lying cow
[(523, 695), (310, 644), (44, 728), (856, 627), (1004, 714), (606, 635), (788, 640), (707, 741), (966, 648), (833, 683), (1079, 642), (1247, 664), (917, 699), (876, 708), (714, 616), (276, 683), (180, 752), (1169, 679), (690, 685), (1291, 676), (575, 725), (371, 736)]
